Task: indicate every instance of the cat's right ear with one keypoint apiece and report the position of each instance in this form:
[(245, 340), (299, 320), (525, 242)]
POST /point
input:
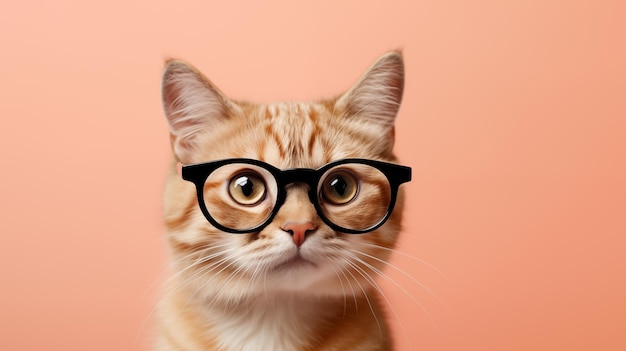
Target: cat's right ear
[(191, 104)]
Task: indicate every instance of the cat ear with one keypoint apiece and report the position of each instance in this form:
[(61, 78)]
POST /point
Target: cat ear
[(376, 96), (191, 104)]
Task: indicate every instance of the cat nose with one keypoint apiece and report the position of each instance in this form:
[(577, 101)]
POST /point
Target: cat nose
[(298, 230)]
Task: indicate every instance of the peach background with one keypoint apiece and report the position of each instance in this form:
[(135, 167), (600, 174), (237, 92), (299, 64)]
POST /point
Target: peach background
[(514, 121)]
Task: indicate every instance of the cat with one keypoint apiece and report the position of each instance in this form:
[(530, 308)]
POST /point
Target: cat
[(291, 279)]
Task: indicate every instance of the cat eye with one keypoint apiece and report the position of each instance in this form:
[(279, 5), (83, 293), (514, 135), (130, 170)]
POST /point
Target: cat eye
[(339, 188), (247, 188), (351, 196)]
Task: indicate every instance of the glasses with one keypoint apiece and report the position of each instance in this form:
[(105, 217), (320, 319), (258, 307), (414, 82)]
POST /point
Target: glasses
[(242, 195)]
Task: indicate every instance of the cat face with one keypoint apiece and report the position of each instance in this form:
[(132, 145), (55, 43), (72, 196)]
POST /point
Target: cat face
[(297, 252)]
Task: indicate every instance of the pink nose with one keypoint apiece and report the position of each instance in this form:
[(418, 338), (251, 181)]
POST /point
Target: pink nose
[(298, 231)]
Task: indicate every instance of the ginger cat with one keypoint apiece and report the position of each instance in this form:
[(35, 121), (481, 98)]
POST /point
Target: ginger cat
[(283, 215)]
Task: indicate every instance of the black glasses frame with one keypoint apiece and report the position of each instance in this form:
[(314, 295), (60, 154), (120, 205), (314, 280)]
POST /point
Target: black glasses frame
[(199, 172)]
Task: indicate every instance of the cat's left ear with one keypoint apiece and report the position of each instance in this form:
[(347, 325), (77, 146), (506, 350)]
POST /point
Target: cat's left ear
[(376, 96)]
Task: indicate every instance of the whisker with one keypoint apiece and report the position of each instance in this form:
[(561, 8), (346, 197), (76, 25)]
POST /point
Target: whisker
[(382, 293), (255, 274), (389, 279), (202, 257), (356, 304), (204, 271), (403, 272), (203, 248), (369, 303), (414, 258), (199, 251), (343, 289), (199, 261), (218, 294)]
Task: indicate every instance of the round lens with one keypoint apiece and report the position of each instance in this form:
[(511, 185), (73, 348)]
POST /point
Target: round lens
[(240, 196), (354, 196)]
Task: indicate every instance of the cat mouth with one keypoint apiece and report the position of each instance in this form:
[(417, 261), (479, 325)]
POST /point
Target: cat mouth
[(296, 262)]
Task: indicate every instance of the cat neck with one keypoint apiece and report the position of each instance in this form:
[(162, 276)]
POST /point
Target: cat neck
[(274, 322), (280, 322)]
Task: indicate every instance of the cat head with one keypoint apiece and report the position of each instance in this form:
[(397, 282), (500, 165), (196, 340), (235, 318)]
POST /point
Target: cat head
[(297, 252)]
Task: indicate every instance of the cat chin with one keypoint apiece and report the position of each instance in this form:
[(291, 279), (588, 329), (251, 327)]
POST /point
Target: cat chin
[(294, 264), (298, 276), (300, 283)]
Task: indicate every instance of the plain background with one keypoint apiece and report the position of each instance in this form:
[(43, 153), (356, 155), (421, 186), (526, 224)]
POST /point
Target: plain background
[(514, 119)]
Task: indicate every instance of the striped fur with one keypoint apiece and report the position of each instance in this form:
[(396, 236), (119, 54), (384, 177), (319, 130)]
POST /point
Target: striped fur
[(238, 291)]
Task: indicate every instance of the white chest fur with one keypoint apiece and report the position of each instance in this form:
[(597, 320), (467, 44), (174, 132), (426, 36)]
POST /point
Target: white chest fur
[(267, 325)]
